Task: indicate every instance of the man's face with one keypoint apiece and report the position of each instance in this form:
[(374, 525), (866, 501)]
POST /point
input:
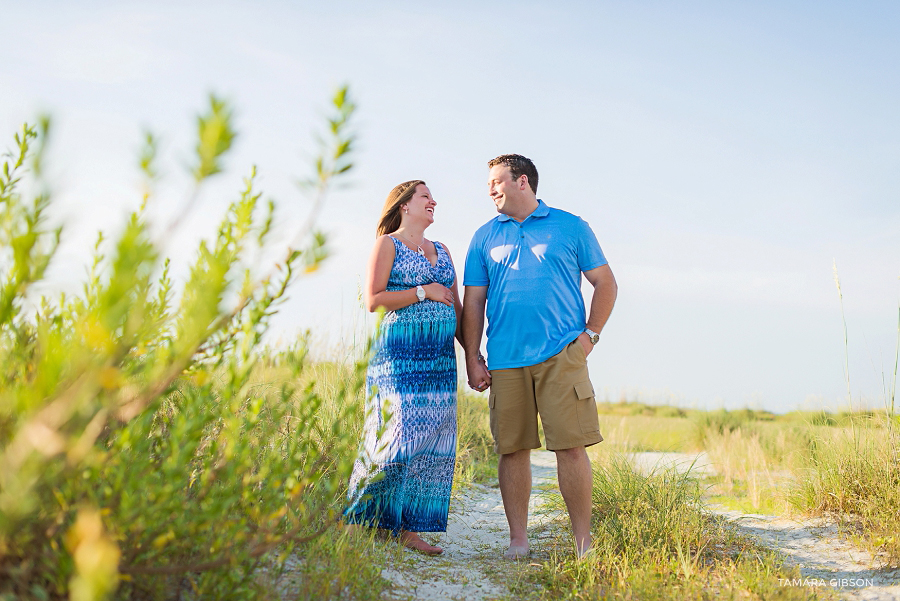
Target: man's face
[(501, 187)]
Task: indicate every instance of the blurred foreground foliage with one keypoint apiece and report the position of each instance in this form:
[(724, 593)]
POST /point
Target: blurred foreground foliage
[(139, 454)]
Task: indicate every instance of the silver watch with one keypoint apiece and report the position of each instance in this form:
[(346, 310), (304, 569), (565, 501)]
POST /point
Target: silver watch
[(592, 335), (420, 293)]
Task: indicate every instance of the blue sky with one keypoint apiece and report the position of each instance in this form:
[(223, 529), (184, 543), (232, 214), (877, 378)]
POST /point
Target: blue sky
[(726, 154)]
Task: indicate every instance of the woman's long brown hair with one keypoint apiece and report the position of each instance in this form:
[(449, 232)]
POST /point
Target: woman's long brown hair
[(390, 214)]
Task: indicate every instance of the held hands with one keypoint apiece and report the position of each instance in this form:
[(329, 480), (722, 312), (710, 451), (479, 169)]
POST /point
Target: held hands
[(439, 293), (478, 375)]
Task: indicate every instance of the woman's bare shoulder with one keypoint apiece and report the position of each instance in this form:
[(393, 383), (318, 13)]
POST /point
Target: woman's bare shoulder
[(384, 244)]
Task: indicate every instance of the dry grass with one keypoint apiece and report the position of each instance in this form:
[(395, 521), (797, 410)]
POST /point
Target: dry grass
[(745, 470)]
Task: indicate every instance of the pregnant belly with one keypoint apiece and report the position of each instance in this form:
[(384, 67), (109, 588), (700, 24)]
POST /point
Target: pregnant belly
[(426, 323)]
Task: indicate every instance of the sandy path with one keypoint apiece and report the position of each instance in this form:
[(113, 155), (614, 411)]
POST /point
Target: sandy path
[(824, 558), (473, 546)]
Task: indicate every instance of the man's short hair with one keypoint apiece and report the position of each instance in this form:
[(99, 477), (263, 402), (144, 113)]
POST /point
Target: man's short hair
[(518, 166)]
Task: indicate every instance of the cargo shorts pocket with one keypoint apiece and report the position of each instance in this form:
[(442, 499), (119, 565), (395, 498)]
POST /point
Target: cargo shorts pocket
[(578, 351), (587, 408)]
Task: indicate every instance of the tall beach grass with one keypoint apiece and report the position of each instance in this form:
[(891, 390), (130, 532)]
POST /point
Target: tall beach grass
[(855, 474), (800, 463), (653, 540)]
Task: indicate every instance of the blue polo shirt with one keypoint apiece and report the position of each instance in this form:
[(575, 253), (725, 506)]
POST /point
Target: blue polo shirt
[(533, 274)]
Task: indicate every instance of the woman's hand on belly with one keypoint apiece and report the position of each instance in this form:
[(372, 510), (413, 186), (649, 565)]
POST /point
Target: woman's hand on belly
[(439, 292)]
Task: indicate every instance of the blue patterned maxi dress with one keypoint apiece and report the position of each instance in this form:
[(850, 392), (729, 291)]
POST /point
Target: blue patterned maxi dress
[(402, 481)]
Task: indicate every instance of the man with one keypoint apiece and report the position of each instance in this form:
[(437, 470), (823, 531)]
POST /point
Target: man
[(525, 266)]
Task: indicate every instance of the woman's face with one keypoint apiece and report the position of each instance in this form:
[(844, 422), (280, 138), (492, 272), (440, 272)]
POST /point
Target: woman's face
[(421, 205)]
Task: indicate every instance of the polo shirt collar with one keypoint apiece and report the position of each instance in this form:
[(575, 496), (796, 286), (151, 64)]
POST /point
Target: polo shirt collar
[(542, 210)]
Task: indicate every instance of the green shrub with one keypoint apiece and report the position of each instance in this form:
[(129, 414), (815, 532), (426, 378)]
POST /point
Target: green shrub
[(724, 421), (669, 411), (137, 452)]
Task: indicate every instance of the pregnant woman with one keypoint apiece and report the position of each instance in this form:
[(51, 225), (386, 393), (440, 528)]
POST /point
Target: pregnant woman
[(402, 479)]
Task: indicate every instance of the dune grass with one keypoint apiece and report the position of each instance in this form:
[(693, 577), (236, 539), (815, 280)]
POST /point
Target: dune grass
[(803, 462), (476, 461), (652, 540), (847, 465), (345, 564), (855, 473), (648, 433)]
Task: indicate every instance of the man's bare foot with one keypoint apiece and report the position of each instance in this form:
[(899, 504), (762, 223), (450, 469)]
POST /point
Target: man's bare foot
[(411, 540), (582, 547), (516, 552)]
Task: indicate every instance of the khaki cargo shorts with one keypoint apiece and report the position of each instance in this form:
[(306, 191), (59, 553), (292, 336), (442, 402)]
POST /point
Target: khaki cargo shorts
[(559, 390)]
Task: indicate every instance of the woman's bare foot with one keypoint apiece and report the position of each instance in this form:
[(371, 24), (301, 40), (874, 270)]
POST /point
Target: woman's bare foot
[(411, 540), (516, 552)]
